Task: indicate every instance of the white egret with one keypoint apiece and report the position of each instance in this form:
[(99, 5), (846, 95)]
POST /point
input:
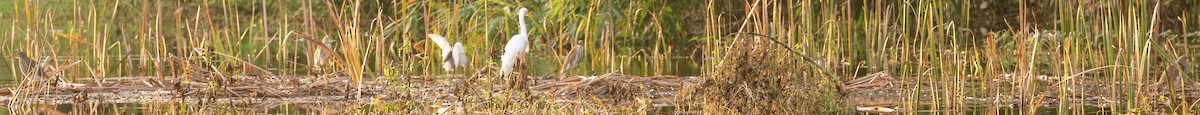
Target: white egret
[(452, 56), (516, 46), (460, 55)]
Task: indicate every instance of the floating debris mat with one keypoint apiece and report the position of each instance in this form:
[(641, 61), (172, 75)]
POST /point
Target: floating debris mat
[(166, 89), (614, 89)]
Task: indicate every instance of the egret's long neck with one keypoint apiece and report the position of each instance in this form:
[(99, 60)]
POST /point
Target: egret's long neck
[(521, 22)]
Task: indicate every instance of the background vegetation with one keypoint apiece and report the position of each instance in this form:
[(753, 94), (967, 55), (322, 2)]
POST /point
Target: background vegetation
[(952, 49)]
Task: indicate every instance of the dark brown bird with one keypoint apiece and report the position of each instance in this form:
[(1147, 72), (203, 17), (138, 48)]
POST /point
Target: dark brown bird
[(28, 65), (36, 71), (1177, 71)]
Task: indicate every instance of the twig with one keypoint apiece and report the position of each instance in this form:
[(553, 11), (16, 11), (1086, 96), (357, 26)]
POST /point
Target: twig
[(1086, 71)]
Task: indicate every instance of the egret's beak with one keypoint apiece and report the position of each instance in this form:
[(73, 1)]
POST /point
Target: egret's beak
[(529, 14)]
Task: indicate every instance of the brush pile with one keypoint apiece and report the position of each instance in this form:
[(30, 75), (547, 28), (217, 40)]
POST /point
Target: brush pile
[(153, 89), (613, 88), (873, 83), (754, 77), (876, 92)]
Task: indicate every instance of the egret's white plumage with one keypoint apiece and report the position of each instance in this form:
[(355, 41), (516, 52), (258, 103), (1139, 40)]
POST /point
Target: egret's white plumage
[(460, 55), (516, 46), (452, 56), (521, 20), (441, 43)]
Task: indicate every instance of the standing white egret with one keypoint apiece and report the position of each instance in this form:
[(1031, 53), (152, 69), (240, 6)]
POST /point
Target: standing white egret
[(452, 56), (516, 46)]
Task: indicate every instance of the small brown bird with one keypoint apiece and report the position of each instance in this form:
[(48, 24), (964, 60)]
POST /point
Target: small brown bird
[(28, 65), (320, 58), (1176, 72), (37, 71), (574, 57)]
